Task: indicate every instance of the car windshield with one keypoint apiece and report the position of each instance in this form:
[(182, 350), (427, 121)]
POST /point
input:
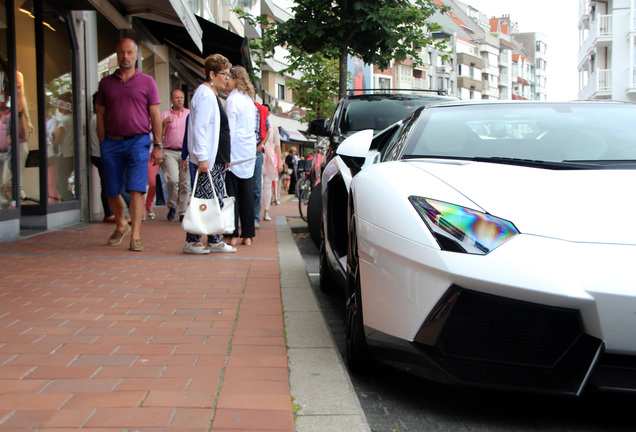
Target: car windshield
[(379, 112), (554, 132)]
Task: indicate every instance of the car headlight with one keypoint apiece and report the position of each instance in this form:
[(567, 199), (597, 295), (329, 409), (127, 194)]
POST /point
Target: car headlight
[(459, 229)]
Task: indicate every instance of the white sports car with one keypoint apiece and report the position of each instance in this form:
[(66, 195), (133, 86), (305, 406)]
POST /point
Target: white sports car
[(490, 244)]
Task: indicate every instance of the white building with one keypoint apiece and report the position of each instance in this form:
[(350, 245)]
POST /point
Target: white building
[(607, 41)]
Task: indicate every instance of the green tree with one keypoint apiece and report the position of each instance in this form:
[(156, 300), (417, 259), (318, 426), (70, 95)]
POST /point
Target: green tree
[(377, 32), (317, 90)]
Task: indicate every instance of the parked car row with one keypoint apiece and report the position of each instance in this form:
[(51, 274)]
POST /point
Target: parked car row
[(469, 241)]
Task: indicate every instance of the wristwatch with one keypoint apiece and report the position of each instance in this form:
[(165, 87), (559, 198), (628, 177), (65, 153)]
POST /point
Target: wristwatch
[(160, 145)]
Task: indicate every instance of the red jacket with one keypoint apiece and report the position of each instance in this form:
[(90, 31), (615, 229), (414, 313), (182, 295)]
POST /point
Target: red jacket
[(263, 113)]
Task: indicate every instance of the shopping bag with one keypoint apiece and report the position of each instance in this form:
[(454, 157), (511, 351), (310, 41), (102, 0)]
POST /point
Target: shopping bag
[(203, 215)]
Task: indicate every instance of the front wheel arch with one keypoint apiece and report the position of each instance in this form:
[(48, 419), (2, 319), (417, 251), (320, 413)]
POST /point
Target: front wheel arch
[(358, 358)]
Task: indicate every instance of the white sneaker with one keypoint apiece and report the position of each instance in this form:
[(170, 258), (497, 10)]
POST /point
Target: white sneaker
[(267, 217), (221, 247), (195, 248)]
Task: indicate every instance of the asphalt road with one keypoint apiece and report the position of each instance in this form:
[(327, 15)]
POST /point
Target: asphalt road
[(395, 401)]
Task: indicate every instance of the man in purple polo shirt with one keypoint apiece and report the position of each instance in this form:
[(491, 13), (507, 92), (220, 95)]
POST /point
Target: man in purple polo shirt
[(127, 108), (174, 125)]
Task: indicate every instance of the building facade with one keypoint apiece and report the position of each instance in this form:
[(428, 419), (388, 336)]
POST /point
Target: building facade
[(486, 59), (607, 50)]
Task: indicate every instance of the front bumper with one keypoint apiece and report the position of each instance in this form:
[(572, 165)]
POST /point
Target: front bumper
[(488, 341), (537, 314)]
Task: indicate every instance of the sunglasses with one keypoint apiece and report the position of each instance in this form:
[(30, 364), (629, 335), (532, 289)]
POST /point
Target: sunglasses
[(225, 74)]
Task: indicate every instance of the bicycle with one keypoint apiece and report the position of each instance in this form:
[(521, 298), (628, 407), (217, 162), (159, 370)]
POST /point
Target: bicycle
[(303, 190)]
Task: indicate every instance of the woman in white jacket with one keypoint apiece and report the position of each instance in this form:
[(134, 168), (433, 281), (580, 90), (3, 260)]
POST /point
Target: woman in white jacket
[(208, 138), (241, 113)]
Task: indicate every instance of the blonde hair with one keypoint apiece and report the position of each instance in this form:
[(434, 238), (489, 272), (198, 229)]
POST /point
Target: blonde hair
[(243, 83)]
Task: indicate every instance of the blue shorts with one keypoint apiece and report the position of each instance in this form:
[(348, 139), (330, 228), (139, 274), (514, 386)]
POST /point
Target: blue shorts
[(125, 163)]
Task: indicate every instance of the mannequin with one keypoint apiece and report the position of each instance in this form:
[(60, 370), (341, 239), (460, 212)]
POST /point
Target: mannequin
[(25, 128)]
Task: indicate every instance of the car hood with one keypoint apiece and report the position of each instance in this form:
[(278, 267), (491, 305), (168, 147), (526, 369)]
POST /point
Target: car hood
[(577, 205)]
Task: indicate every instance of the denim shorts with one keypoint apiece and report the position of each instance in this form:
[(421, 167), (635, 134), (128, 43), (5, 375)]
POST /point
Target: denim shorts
[(125, 164)]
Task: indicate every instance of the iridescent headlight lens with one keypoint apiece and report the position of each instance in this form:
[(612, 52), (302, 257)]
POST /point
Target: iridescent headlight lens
[(458, 229)]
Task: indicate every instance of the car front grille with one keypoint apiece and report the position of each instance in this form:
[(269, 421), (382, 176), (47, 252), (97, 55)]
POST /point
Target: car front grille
[(489, 328)]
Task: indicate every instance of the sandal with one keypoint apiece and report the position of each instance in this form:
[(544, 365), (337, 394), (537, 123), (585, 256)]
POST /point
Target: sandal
[(234, 241), (247, 241), (195, 248)]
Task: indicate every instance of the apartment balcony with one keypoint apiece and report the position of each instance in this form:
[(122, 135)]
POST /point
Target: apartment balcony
[(273, 10), (599, 86), (419, 83), (469, 83), (469, 59), (600, 36), (491, 70), (491, 92), (631, 88)]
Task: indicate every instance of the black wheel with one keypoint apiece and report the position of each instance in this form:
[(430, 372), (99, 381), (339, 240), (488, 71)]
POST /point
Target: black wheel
[(326, 281), (314, 214), (304, 191), (358, 358)]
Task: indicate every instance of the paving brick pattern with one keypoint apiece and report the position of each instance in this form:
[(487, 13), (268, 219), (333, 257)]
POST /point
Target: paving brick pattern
[(99, 338)]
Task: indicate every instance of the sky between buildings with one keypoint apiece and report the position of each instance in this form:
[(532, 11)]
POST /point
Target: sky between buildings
[(557, 20)]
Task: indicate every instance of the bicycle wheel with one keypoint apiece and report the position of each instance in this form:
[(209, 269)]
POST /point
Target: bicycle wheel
[(299, 184), (303, 200)]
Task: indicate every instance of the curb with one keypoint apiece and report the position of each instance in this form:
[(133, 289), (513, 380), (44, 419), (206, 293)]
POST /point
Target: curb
[(319, 381)]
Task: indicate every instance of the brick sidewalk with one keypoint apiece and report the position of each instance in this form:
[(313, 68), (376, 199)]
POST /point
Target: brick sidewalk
[(105, 339)]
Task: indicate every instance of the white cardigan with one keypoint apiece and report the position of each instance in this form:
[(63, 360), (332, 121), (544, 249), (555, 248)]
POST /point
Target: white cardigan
[(204, 126), (241, 115)]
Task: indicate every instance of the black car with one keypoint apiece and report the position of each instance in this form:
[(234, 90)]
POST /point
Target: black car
[(374, 109)]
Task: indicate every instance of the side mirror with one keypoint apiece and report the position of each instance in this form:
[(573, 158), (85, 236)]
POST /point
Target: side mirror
[(357, 145), (318, 127)]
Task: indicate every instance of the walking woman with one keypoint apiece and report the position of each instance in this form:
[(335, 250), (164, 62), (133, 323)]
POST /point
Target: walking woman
[(241, 113), (209, 145)]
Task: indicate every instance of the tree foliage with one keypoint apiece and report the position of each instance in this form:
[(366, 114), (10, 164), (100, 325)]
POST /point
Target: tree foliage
[(378, 32), (317, 89)]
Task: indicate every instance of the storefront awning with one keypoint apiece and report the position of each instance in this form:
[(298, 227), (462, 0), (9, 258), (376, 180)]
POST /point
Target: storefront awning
[(216, 40), (289, 134), (176, 12)]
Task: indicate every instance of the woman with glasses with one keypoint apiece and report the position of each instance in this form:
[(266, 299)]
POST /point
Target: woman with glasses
[(208, 144), (240, 179)]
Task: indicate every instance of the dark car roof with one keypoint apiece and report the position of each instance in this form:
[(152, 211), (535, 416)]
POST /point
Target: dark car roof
[(379, 110)]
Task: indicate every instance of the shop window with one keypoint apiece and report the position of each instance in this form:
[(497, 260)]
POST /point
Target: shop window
[(60, 127), (54, 147), (6, 151)]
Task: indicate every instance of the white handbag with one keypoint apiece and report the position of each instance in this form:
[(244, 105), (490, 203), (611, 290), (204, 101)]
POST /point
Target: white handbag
[(203, 215), (228, 213)]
